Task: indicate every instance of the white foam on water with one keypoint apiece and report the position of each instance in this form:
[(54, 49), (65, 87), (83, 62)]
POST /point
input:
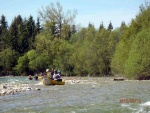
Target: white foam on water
[(125, 105), (40, 83), (146, 104), (73, 112), (133, 109), (144, 108), (128, 106)]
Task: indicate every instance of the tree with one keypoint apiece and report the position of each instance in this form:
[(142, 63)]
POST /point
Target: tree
[(90, 25), (131, 57), (110, 27), (15, 34), (38, 26), (101, 26), (73, 29), (22, 66), (138, 62), (3, 33), (123, 24), (31, 31), (121, 53), (55, 19), (3, 23), (8, 58)]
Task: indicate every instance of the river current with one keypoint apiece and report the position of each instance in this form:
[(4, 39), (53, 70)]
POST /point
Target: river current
[(78, 95)]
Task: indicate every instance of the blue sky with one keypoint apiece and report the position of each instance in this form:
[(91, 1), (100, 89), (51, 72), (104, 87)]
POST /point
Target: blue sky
[(93, 11)]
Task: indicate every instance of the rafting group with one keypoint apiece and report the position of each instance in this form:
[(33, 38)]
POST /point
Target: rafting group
[(52, 77)]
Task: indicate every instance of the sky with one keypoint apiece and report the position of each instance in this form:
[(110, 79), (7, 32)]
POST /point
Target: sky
[(88, 11)]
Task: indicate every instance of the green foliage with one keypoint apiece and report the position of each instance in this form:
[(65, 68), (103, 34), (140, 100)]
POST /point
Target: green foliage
[(138, 61), (90, 46), (37, 61), (22, 64), (110, 27), (25, 46), (101, 26), (3, 33), (121, 53), (37, 27), (56, 20), (131, 57), (8, 58)]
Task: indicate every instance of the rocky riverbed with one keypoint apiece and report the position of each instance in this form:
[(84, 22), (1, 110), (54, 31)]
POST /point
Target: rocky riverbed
[(12, 88)]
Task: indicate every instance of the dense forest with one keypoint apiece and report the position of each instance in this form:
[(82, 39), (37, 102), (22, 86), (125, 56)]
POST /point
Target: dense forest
[(54, 41)]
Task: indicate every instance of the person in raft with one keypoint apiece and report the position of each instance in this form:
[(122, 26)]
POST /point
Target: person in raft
[(48, 73), (44, 75), (56, 76), (36, 77), (59, 72), (52, 73), (30, 77)]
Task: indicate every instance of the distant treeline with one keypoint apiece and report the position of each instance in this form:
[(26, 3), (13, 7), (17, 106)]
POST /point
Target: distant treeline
[(27, 46)]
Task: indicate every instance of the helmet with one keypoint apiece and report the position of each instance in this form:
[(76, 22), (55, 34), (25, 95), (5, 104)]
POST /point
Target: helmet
[(47, 70)]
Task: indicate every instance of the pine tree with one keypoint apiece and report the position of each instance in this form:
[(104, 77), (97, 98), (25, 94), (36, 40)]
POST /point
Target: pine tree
[(3, 32), (123, 24), (101, 26), (16, 34), (31, 32), (90, 25), (73, 29), (38, 27), (110, 27), (3, 23)]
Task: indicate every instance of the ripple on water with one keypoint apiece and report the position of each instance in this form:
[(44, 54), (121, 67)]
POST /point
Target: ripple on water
[(93, 95)]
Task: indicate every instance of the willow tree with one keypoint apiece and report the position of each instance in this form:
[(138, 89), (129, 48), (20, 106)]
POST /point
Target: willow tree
[(55, 20), (138, 62), (131, 57)]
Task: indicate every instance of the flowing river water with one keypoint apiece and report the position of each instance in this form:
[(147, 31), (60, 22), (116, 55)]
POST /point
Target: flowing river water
[(78, 95)]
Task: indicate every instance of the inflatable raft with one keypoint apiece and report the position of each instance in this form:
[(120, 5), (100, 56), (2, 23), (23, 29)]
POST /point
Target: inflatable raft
[(48, 81)]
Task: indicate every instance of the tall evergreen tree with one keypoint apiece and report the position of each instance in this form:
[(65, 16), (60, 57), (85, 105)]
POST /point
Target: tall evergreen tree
[(101, 26), (90, 25), (30, 25), (3, 32), (16, 34), (37, 26), (73, 29), (3, 23), (110, 27), (123, 24)]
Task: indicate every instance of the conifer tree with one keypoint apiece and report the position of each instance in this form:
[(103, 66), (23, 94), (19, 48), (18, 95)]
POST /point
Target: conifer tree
[(30, 25), (73, 30), (110, 27), (38, 26), (101, 26), (3, 32)]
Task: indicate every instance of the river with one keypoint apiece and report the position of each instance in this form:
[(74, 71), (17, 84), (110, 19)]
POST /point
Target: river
[(78, 95)]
